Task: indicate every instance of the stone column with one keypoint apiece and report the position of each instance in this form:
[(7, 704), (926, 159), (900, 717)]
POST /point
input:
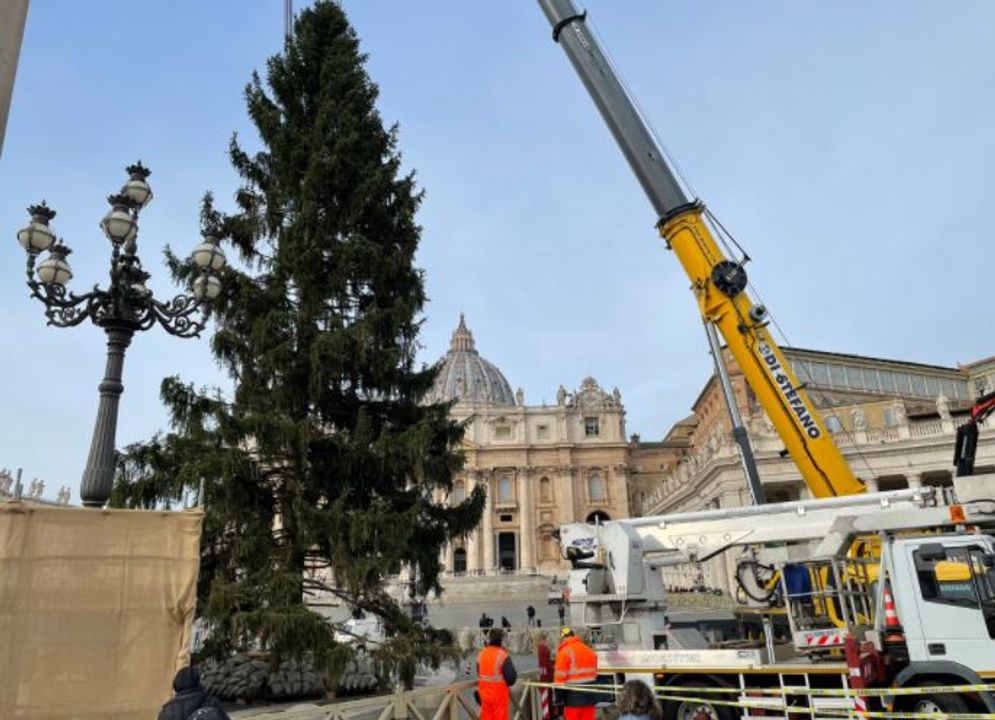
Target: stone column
[(567, 480), (915, 480), (472, 541), (526, 521), (487, 533)]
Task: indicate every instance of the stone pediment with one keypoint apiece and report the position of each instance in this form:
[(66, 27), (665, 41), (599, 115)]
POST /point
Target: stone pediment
[(590, 396)]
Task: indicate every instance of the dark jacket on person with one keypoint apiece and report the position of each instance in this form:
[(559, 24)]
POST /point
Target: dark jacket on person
[(190, 697)]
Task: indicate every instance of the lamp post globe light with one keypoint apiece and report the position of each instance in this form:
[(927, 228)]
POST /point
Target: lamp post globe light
[(125, 306)]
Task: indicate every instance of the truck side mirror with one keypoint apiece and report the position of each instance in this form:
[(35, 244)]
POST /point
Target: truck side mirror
[(932, 552)]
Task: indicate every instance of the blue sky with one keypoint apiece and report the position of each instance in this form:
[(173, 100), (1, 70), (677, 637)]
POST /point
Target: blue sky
[(848, 145)]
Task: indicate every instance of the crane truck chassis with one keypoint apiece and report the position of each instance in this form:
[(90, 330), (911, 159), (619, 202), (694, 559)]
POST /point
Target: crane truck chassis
[(919, 610)]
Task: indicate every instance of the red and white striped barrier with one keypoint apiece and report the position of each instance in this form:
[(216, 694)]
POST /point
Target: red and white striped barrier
[(823, 638)]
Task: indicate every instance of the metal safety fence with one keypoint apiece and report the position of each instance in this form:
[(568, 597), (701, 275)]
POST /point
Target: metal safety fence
[(454, 701), (780, 701)]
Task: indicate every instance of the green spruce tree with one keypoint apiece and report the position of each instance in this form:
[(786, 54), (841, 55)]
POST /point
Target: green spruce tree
[(323, 457)]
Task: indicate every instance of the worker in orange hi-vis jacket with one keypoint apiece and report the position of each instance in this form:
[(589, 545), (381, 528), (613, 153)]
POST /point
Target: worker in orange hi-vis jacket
[(576, 665), (495, 675)]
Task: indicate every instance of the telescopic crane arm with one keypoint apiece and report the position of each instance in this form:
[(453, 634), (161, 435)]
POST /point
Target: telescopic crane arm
[(719, 284)]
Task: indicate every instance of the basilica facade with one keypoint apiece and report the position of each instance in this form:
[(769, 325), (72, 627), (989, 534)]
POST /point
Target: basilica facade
[(542, 465)]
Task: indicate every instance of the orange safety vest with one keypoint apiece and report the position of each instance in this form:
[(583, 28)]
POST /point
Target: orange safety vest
[(490, 684), (575, 662)]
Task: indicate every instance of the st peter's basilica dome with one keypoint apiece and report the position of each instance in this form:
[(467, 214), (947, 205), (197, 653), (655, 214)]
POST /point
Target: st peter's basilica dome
[(466, 376)]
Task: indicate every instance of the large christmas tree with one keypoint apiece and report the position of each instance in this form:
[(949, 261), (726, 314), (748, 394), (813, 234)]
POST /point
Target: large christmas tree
[(323, 456)]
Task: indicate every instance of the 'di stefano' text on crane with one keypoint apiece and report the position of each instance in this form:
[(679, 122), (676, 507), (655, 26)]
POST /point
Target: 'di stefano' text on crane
[(788, 391)]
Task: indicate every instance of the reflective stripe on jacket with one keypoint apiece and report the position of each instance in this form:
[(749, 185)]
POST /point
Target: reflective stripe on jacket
[(575, 662), (490, 675)]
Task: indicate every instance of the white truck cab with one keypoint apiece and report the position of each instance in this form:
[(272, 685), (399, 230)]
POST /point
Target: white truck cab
[(944, 594)]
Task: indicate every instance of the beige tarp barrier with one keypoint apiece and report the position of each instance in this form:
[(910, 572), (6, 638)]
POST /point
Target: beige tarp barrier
[(96, 609)]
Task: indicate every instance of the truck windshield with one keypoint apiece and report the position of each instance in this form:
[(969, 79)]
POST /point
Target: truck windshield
[(963, 577), (959, 578)]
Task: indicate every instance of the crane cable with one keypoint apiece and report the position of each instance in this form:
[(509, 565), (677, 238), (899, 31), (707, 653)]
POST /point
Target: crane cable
[(740, 256), (816, 393), (670, 160)]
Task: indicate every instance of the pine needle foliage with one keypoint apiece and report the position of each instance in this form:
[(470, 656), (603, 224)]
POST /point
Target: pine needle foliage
[(324, 457)]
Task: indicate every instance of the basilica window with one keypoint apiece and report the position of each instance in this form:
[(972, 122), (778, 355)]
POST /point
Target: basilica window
[(980, 386), (506, 489), (542, 432), (502, 432), (595, 487), (459, 561), (833, 424), (819, 375), (545, 490), (459, 492), (591, 428), (952, 389), (890, 417)]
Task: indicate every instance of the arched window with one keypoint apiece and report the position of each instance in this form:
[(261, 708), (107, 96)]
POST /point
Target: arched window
[(833, 424), (459, 561), (890, 417), (598, 517), (506, 489), (595, 487), (545, 490), (459, 492)]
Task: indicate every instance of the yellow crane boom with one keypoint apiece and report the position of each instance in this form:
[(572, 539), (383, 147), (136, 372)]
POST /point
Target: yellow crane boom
[(719, 284)]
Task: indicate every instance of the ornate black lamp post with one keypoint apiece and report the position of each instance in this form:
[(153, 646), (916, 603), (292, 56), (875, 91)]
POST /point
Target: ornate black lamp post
[(124, 307)]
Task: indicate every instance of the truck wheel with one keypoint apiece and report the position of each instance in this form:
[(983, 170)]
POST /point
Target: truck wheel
[(696, 709), (939, 704)]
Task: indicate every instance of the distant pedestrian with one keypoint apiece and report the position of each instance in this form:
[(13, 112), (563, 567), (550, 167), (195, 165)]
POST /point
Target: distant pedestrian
[(531, 613), (539, 622), (504, 623), (485, 624), (191, 702), (561, 611)]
